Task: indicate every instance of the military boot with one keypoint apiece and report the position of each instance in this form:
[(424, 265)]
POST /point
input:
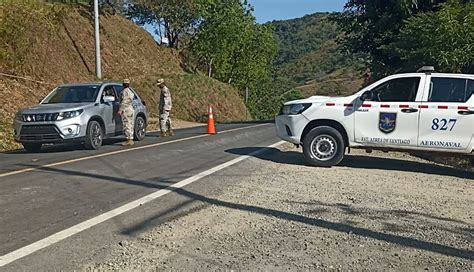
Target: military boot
[(128, 143), (171, 132), (163, 134)]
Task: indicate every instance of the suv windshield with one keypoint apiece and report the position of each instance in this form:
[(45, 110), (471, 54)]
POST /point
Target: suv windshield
[(73, 94)]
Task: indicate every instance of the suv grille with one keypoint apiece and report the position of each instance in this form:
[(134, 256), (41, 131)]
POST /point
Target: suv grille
[(39, 133), (41, 117)]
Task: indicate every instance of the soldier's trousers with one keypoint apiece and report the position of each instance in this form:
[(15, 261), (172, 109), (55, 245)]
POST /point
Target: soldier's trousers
[(165, 121), (128, 124)]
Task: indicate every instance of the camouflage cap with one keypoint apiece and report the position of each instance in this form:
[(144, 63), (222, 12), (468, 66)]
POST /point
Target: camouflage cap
[(126, 81), (160, 81)]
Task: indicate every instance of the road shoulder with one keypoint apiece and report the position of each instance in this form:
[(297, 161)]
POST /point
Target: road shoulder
[(384, 212)]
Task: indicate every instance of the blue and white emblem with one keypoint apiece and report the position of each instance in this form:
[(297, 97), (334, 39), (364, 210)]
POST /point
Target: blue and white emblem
[(387, 122)]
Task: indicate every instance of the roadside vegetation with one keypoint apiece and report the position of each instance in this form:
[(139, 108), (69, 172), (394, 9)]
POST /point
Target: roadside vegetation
[(48, 44), (190, 101), (222, 40), (402, 36), (311, 61)]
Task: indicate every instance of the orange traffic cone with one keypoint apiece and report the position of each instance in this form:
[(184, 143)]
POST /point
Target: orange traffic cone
[(211, 128)]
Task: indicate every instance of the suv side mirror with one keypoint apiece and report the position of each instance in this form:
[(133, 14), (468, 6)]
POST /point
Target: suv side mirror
[(109, 98), (367, 96)]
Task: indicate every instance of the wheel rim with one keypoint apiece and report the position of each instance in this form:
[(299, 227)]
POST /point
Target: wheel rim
[(323, 147), (96, 135), (140, 128)]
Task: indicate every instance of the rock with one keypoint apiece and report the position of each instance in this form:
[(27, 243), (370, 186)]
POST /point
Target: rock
[(124, 243)]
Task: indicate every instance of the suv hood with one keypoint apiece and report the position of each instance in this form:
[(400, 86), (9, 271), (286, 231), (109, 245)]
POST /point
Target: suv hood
[(53, 108)]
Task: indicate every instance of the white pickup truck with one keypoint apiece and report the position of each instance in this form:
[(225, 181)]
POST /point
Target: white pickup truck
[(423, 112)]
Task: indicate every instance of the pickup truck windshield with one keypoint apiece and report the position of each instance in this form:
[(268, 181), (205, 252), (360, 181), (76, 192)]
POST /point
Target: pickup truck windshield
[(73, 94)]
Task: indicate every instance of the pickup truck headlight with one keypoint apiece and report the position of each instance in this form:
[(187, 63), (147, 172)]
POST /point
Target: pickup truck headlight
[(294, 109), (68, 114)]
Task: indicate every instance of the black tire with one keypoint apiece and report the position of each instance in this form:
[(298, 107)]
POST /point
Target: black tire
[(140, 129), (94, 136), (324, 147), (32, 147)]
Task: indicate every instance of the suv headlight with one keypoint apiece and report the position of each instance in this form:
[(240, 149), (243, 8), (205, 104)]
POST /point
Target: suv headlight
[(68, 114), (294, 109)]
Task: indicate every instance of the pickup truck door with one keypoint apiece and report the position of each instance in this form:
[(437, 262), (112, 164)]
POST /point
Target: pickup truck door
[(447, 114), (390, 118)]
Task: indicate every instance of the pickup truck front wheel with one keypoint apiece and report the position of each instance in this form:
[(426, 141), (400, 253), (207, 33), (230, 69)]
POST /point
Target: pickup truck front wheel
[(323, 146)]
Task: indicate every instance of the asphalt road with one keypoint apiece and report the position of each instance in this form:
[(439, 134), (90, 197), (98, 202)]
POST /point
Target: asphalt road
[(41, 194)]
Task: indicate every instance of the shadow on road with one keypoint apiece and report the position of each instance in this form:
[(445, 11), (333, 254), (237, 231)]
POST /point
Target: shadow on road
[(357, 161), (318, 208), (62, 148), (320, 223)]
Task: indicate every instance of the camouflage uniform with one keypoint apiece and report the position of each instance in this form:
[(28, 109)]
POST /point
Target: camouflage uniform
[(127, 112), (165, 108)]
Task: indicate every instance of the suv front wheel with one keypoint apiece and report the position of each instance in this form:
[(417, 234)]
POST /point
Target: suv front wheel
[(323, 146), (94, 136), (140, 129)]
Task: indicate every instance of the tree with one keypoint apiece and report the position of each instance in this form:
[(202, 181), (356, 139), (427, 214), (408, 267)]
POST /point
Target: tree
[(172, 18), (370, 26), (444, 38), (231, 46), (268, 97)]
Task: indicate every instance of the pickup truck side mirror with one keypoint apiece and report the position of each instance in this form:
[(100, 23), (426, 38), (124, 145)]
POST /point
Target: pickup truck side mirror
[(367, 96), (109, 98)]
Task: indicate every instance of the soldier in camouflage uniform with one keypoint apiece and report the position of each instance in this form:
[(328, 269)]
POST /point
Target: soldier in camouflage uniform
[(164, 109), (127, 112)]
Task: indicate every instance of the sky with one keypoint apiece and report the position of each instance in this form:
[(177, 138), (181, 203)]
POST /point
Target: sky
[(269, 10)]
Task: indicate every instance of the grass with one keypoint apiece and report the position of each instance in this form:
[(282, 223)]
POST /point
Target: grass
[(191, 94), (6, 135)]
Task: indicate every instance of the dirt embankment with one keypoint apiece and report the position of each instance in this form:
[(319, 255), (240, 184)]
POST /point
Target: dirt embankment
[(54, 44)]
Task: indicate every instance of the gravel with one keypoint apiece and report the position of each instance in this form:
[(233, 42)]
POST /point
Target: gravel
[(378, 212)]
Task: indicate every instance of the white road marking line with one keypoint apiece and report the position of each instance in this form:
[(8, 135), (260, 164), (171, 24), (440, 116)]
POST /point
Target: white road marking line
[(59, 236), (117, 152), (157, 130)]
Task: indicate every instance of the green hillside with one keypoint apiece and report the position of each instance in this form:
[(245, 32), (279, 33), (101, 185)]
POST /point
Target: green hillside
[(310, 58), (51, 44)]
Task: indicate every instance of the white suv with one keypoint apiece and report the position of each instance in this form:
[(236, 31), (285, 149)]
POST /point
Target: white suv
[(421, 111)]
